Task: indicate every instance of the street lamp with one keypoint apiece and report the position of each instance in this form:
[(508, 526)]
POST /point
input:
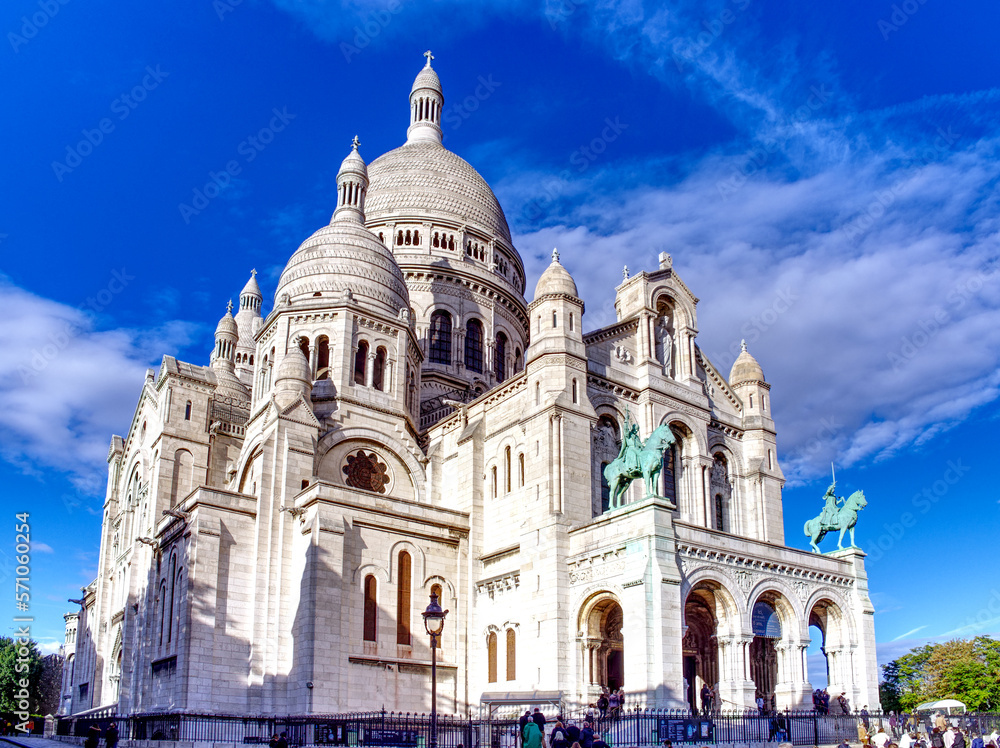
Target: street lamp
[(434, 623)]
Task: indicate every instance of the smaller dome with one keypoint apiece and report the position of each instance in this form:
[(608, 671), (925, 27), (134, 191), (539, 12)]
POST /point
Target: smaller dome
[(556, 280), (227, 325), (745, 368), (427, 78), (229, 385), (251, 288), (294, 367), (353, 164)]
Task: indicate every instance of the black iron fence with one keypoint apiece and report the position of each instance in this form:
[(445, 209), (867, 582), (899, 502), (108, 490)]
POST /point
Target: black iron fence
[(637, 727)]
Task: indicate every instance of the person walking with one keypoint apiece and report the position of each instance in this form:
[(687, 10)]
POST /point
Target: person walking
[(111, 736), (531, 735), (93, 737)]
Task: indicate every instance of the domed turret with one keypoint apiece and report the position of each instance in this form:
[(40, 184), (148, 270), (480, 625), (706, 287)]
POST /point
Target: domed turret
[(293, 377), (248, 321), (345, 256), (250, 296), (556, 280), (745, 368), (426, 100), (224, 359)]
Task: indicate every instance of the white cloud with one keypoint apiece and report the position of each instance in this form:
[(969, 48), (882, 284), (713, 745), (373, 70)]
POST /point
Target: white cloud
[(65, 387), (39, 547), (49, 647)]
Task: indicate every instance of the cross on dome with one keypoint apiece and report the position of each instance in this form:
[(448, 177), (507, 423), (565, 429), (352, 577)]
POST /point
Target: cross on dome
[(253, 273), (429, 57), (743, 345), (229, 307), (355, 143), (555, 255)]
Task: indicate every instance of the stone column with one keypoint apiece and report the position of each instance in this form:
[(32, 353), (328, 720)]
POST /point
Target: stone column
[(370, 371)]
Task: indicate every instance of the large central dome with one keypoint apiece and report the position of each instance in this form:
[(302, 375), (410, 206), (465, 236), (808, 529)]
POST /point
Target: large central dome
[(424, 178)]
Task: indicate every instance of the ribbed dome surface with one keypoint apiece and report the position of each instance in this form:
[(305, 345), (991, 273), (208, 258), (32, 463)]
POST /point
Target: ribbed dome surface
[(345, 255), (227, 325), (745, 369), (252, 287), (555, 280), (425, 179), (228, 385), (426, 78)]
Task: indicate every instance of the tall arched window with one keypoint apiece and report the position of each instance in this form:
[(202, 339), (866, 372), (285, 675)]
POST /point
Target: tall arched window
[(576, 396), (323, 358), (671, 458), (170, 601), (378, 373), (371, 610), (605, 490), (403, 600), (491, 657), (500, 359), (474, 346), (520, 470), (163, 610), (506, 470), (493, 482), (187, 411), (720, 513), (440, 342), (517, 360), (361, 362), (511, 654)]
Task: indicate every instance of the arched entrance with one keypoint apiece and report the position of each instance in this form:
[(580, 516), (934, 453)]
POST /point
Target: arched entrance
[(766, 627), (828, 625), (604, 646), (711, 617)]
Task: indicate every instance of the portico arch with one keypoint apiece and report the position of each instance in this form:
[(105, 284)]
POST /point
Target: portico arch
[(776, 653), (603, 662), (711, 618), (827, 617)]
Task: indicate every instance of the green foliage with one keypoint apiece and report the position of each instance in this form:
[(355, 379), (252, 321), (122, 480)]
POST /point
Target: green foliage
[(10, 676), (963, 669)]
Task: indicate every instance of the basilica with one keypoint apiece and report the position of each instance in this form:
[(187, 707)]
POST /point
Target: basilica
[(405, 422)]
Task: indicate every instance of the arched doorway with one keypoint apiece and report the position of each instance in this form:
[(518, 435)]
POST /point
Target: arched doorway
[(700, 645), (827, 631), (604, 645)]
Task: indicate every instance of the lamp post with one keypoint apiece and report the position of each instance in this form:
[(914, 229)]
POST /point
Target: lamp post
[(434, 623)]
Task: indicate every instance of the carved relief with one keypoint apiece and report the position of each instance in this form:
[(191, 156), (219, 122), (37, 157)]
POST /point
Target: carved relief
[(365, 470)]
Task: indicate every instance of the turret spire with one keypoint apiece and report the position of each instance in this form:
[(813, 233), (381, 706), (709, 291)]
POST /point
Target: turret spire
[(352, 185), (426, 101)]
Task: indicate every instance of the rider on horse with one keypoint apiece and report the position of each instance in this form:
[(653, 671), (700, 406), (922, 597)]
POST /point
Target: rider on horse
[(631, 446), (830, 511)]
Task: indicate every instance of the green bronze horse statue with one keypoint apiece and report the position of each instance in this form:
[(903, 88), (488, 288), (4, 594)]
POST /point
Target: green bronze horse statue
[(847, 518), (634, 463)]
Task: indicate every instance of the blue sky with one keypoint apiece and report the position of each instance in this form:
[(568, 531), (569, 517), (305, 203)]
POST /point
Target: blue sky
[(824, 175)]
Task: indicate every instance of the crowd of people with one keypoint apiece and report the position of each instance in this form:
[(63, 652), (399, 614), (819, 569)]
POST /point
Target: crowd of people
[(564, 734), (910, 731)]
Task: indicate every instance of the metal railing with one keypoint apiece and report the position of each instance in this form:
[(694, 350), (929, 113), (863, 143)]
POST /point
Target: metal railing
[(635, 727)]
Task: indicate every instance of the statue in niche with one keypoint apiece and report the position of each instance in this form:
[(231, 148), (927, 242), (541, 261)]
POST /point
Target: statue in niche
[(666, 342)]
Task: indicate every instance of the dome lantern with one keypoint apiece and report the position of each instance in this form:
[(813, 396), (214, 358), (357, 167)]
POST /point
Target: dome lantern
[(426, 101), (352, 185)]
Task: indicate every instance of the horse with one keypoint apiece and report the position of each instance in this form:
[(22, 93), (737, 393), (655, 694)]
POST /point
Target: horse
[(847, 518), (650, 459)]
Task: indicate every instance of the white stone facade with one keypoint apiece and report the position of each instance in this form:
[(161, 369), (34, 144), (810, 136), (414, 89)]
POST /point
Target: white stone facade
[(275, 522)]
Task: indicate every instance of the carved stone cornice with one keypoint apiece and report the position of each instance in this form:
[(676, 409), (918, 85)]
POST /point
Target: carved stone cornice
[(499, 585), (748, 570), (596, 565)]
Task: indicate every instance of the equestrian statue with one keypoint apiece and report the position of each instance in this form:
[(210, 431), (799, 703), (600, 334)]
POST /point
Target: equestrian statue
[(637, 460), (839, 514)]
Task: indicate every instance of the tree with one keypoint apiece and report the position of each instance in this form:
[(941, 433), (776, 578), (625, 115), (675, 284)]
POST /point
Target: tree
[(963, 669), (10, 676)]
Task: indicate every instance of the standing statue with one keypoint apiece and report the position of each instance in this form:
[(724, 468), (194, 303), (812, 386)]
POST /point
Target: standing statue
[(666, 345), (637, 460), (838, 514)]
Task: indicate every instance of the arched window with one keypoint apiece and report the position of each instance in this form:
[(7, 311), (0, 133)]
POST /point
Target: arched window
[(511, 654), (403, 600), (163, 610), (491, 657), (416, 238), (575, 395), (500, 359), (437, 240), (378, 374), (451, 243), (538, 393), (187, 411), (408, 239), (371, 610), (361, 362), (474, 346), (323, 358), (555, 319), (304, 347), (170, 602), (493, 482), (671, 460), (520, 470), (720, 513), (571, 321), (507, 470), (605, 490), (381, 237), (399, 239), (517, 360), (440, 334)]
